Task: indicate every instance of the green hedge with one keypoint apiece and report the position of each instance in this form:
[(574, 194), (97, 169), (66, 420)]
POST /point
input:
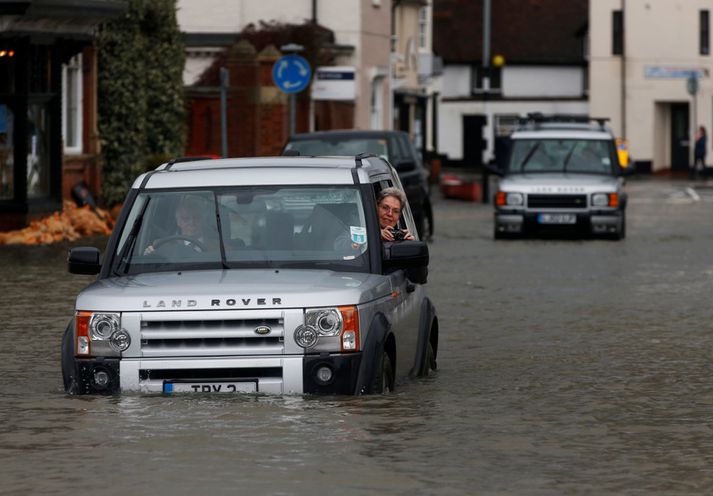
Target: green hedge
[(140, 93)]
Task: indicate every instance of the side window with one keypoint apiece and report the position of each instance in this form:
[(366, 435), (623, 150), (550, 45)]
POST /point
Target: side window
[(406, 220)]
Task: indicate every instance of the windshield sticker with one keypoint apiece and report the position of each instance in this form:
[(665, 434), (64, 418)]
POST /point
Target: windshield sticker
[(358, 234)]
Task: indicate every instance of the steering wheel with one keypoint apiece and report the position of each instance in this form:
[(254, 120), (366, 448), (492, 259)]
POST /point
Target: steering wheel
[(176, 238)]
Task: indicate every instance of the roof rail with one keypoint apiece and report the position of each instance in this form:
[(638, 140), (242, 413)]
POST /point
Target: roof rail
[(178, 160), (537, 118), (358, 158)]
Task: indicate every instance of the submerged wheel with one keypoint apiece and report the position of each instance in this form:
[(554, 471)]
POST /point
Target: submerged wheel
[(431, 364), (384, 378), (68, 367)]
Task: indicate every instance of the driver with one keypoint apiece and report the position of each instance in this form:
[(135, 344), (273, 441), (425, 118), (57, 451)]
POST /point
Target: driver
[(389, 204), (189, 217)]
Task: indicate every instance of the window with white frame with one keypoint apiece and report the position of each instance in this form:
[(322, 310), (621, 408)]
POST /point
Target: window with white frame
[(423, 28), (72, 105)]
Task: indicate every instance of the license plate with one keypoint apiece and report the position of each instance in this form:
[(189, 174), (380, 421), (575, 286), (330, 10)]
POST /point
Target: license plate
[(557, 218), (212, 387)]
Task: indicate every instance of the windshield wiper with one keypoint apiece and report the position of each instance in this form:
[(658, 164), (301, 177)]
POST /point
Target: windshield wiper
[(131, 241), (223, 261), (569, 156), (529, 156)]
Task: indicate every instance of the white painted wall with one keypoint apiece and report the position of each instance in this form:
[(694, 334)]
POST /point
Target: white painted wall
[(542, 82), (660, 33), (455, 81)]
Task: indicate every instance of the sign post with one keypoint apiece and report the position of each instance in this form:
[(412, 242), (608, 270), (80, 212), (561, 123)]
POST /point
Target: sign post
[(291, 75)]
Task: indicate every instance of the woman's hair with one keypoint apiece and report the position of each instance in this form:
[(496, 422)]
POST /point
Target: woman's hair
[(395, 192)]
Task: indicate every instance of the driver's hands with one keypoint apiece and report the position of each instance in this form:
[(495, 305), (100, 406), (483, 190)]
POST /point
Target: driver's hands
[(149, 249)]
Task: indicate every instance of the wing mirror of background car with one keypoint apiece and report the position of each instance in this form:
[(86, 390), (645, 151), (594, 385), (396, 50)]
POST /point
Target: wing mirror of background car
[(405, 165), (493, 168), (411, 256), (83, 260)]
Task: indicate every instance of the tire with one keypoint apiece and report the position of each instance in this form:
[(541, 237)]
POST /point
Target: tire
[(69, 368), (384, 376), (621, 234), (431, 364)]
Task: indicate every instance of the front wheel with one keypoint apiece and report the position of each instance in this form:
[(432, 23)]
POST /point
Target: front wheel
[(384, 378), (431, 364), (69, 376)]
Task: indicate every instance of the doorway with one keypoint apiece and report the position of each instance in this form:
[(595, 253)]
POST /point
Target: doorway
[(680, 141), (473, 142)]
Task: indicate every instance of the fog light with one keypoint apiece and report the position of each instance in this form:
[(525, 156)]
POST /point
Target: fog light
[(323, 374), (305, 336), (120, 340), (101, 379)]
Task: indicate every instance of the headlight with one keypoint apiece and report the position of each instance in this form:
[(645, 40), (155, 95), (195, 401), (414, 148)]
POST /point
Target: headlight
[(514, 199), (510, 199), (100, 334), (605, 200), (327, 322), (329, 329), (102, 325)]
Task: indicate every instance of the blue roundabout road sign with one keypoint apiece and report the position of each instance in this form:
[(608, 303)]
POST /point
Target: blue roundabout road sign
[(291, 73)]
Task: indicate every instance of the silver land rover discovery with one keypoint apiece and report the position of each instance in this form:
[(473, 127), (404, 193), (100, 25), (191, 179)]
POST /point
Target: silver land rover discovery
[(261, 275), (562, 175)]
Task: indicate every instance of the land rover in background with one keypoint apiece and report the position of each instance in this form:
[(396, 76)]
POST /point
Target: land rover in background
[(395, 146), (287, 290), (562, 175)]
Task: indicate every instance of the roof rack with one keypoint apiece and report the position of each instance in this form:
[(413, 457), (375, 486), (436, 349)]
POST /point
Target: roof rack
[(537, 118), (179, 160), (358, 158)]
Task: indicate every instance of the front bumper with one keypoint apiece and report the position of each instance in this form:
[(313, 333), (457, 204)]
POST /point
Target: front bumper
[(596, 222), (273, 375)]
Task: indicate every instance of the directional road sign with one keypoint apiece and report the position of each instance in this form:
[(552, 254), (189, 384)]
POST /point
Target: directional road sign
[(291, 73)]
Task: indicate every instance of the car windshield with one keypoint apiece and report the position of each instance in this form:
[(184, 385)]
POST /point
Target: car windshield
[(560, 155), (341, 146), (303, 227)]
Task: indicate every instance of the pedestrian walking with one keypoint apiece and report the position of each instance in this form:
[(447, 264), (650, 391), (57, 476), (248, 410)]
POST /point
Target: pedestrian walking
[(699, 152)]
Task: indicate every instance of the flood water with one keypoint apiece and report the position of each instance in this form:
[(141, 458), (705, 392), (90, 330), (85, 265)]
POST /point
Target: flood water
[(565, 367)]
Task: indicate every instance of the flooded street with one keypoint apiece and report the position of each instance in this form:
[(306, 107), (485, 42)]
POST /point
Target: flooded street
[(565, 367)]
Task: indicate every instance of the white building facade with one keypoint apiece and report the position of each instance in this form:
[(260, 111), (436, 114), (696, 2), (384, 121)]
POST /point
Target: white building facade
[(643, 52)]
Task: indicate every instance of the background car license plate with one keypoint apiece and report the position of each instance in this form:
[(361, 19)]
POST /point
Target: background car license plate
[(557, 219), (213, 387)]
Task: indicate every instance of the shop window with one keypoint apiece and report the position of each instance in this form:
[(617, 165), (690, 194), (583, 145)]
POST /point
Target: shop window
[(40, 69), (72, 105), (38, 161), (7, 69), (6, 152)]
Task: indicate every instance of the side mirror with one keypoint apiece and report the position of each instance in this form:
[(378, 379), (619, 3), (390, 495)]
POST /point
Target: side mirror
[(629, 170), (411, 256), (494, 169), (405, 165), (83, 260)]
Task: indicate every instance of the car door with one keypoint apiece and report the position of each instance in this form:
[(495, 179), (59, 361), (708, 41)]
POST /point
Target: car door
[(405, 305)]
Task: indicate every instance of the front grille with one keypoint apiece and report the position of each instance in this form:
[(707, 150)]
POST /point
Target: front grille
[(557, 201), (162, 337), (197, 374)]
